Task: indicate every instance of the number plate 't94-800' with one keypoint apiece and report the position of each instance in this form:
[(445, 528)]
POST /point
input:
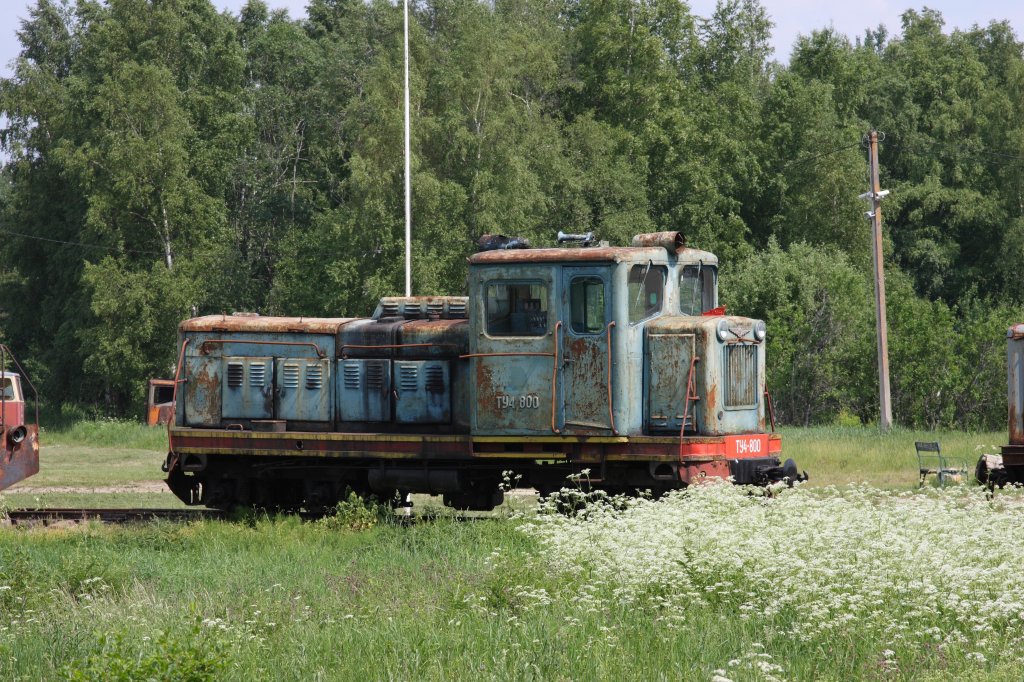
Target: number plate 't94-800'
[(746, 446), (517, 402)]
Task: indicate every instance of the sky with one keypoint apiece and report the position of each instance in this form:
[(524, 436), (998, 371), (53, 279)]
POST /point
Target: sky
[(791, 17)]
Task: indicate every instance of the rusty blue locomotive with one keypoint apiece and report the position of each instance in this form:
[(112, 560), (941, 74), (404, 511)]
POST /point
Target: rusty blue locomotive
[(611, 359)]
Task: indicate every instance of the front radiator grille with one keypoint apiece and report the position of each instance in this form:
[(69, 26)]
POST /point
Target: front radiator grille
[(741, 375)]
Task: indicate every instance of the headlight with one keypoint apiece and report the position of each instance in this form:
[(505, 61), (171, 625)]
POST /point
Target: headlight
[(16, 435), (760, 330), (723, 330)]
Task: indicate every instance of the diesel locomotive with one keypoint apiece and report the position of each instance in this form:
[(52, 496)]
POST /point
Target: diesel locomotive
[(615, 360)]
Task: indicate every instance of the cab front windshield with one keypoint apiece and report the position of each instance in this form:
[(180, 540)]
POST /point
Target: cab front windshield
[(697, 289)]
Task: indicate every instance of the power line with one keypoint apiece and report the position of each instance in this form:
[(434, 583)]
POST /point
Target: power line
[(814, 157), (709, 190), (111, 249), (965, 152)]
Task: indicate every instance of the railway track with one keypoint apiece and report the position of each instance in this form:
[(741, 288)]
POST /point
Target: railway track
[(46, 517), (51, 516)]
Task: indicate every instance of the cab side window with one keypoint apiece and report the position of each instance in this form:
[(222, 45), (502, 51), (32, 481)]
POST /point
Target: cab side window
[(646, 291), (586, 296), (516, 308)]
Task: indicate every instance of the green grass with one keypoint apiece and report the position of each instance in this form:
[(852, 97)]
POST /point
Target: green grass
[(112, 433), (834, 455), (441, 599)]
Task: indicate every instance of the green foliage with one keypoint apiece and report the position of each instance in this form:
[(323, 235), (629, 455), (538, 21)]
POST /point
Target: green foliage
[(355, 513), (164, 158), (819, 325), (195, 657)]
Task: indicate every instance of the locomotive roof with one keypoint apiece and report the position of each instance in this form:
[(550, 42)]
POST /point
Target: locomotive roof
[(614, 254), (258, 323)]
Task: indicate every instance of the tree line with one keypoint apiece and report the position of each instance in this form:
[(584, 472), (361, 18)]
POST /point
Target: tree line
[(162, 159)]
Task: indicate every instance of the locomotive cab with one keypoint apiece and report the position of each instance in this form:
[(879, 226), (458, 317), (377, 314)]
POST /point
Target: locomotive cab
[(614, 342)]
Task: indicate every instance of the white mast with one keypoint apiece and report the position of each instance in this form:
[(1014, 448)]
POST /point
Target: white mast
[(408, 184)]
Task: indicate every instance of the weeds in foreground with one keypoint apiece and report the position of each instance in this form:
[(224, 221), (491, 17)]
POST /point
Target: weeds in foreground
[(715, 583)]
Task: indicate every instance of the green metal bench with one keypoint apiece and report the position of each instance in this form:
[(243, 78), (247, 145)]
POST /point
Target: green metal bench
[(931, 461)]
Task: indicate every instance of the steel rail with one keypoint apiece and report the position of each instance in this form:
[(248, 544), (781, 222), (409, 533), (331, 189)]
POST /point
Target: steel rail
[(48, 516)]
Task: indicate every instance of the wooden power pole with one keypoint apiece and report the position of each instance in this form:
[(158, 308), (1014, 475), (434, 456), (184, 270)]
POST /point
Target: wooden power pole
[(875, 195)]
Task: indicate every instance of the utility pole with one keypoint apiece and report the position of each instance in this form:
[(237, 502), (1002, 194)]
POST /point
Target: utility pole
[(408, 179), (875, 195)]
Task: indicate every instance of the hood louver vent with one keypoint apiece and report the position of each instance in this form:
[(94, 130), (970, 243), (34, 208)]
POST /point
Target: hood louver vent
[(290, 378), (257, 374), (235, 373), (314, 377)]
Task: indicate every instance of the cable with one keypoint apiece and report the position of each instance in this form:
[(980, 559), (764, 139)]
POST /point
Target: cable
[(80, 244), (697, 195), (961, 150), (813, 157)]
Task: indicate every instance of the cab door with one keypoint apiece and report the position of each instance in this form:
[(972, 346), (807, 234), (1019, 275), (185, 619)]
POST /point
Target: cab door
[(586, 312)]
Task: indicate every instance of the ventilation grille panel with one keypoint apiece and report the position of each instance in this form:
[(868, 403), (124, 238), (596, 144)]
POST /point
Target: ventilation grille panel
[(290, 376), (434, 378), (314, 377), (408, 377), (457, 309), (352, 376), (257, 374), (236, 371), (374, 376)]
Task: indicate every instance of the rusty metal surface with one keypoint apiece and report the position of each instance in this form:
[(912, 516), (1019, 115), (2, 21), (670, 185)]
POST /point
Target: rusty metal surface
[(669, 360), (614, 254), (206, 345), (160, 415), (450, 337), (670, 241), (1015, 385), (203, 392), (239, 323), (21, 460)]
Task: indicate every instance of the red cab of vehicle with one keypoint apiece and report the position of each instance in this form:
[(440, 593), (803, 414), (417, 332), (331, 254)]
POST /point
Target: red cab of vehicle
[(19, 441)]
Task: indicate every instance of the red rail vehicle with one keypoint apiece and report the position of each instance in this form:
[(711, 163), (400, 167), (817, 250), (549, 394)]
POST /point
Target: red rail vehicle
[(19, 440)]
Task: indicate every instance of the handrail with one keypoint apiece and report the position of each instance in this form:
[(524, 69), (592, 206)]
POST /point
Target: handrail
[(341, 351), (611, 406), (319, 352), (174, 394), (554, 378), (503, 355), (686, 403), (771, 408)]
